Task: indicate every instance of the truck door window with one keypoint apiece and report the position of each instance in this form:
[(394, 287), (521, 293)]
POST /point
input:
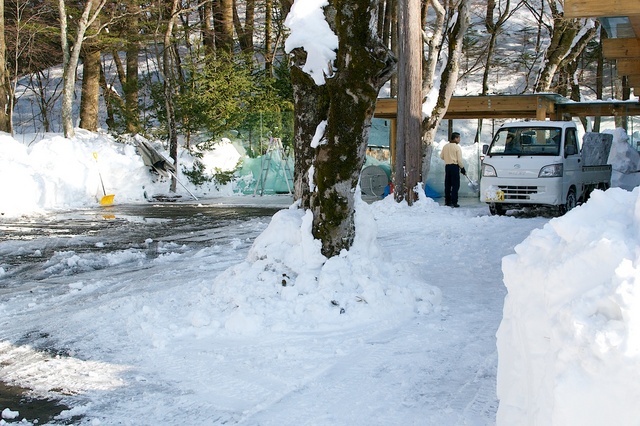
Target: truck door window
[(571, 140)]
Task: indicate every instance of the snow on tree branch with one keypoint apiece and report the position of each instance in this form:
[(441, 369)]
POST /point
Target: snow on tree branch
[(311, 32)]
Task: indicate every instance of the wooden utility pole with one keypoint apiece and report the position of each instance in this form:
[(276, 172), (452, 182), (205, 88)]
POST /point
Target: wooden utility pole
[(408, 142)]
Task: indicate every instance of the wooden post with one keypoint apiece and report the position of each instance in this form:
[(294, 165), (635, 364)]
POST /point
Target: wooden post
[(408, 145)]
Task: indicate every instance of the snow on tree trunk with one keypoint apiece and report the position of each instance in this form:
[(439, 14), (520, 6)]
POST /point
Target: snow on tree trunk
[(311, 106), (362, 65)]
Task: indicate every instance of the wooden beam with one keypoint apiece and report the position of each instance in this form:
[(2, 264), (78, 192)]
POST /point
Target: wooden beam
[(600, 8), (598, 109), (521, 107), (386, 108), (621, 48), (635, 24), (628, 66), (634, 81), (531, 104)]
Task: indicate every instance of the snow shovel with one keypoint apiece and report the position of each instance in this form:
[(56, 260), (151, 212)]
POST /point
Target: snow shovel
[(106, 200), (473, 184)]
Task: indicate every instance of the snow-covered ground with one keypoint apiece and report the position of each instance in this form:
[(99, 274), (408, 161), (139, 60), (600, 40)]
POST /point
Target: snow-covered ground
[(173, 338), (259, 328)]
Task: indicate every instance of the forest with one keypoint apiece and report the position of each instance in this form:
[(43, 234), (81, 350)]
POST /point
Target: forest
[(191, 72), (210, 66)]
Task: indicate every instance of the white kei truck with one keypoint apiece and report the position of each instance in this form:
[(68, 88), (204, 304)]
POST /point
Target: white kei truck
[(542, 164)]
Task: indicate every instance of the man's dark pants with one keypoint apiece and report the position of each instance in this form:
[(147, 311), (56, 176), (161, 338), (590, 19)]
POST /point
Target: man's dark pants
[(451, 183)]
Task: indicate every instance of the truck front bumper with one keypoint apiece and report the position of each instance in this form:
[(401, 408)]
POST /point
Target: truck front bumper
[(540, 191)]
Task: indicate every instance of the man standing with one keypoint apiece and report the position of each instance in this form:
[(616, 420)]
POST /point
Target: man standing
[(452, 156)]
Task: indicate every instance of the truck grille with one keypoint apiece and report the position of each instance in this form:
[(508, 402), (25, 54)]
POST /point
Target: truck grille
[(518, 192)]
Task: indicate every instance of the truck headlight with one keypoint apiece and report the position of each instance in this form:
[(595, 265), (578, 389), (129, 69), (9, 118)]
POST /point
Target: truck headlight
[(488, 170), (552, 170)]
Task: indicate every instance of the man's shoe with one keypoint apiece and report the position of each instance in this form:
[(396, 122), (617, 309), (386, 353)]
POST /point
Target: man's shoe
[(456, 205)]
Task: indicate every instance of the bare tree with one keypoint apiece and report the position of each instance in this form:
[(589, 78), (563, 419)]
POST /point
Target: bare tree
[(168, 61), (568, 38), (437, 98), (30, 49), (245, 32), (71, 56), (5, 86), (493, 26)]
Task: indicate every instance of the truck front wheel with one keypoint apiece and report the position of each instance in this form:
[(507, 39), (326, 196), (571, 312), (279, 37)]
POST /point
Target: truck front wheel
[(571, 202), (497, 209)]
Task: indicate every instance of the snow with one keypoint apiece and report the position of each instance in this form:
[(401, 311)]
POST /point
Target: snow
[(263, 329), (568, 342), (625, 161), (435, 316), (51, 172), (310, 31)]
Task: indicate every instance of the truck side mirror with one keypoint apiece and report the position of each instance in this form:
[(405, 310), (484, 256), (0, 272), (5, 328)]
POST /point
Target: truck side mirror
[(485, 148), (570, 150)]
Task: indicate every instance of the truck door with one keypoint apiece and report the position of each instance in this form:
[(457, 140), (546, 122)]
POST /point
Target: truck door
[(572, 163)]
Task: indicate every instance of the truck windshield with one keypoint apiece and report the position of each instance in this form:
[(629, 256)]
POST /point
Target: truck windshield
[(526, 141)]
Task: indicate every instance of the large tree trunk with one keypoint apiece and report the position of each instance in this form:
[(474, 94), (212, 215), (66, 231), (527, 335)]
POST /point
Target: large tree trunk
[(90, 91), (223, 25), (362, 66), (311, 107), (245, 33), (408, 152)]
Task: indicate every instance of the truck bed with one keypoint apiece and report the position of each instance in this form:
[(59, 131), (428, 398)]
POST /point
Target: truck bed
[(596, 174)]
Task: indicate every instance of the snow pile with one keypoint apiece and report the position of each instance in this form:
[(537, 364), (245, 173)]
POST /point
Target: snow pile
[(310, 31), (286, 283), (224, 156), (625, 161), (7, 414), (569, 341), (54, 172)]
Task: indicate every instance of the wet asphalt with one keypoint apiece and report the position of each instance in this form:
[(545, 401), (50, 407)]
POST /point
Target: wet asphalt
[(108, 228)]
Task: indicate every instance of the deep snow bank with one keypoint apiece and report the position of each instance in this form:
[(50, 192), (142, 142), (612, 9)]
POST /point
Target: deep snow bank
[(287, 284), (53, 172), (569, 341)]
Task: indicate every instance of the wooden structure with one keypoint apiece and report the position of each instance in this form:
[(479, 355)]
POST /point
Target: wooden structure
[(536, 106), (621, 20)]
